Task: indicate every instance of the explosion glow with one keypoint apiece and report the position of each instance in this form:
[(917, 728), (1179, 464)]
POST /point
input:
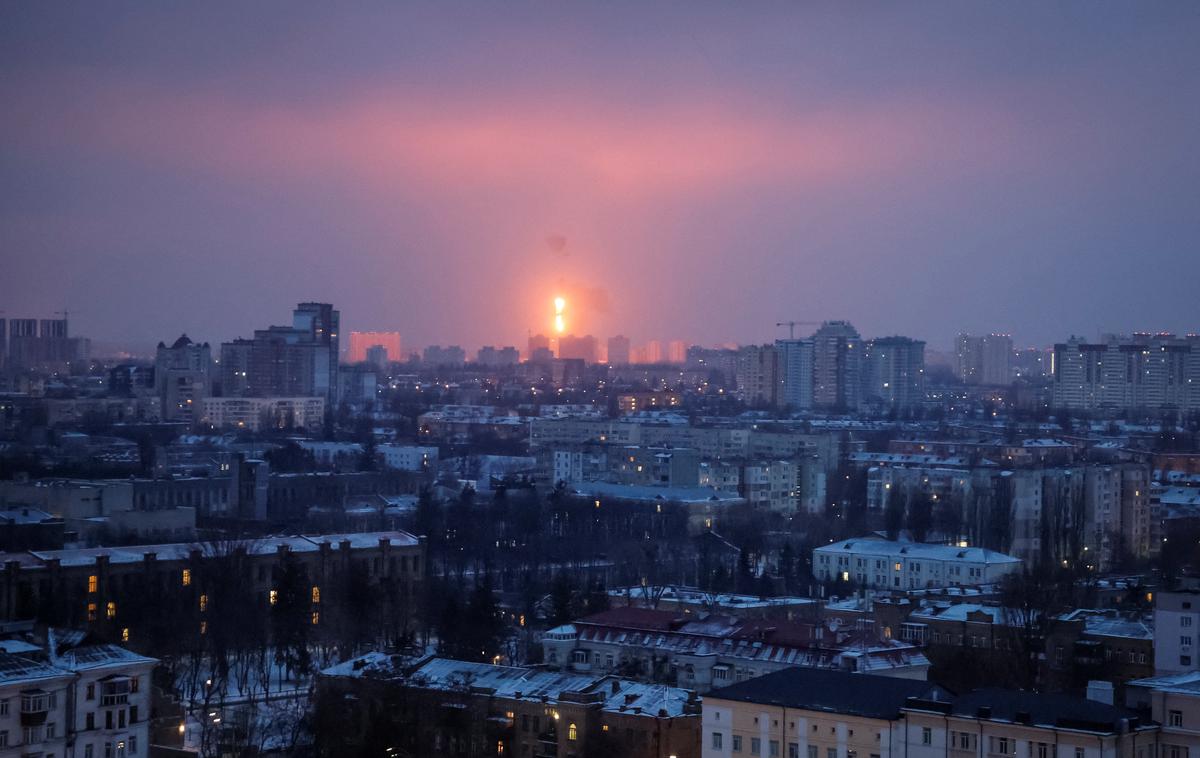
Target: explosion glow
[(560, 304)]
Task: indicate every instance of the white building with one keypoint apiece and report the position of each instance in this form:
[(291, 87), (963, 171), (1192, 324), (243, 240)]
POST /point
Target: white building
[(408, 457), (90, 702), (1176, 624), (886, 564)]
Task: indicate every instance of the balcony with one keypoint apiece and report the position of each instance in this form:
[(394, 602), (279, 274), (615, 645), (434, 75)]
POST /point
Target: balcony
[(35, 707)]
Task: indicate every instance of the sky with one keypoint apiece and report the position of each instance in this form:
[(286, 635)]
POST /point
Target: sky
[(694, 171)]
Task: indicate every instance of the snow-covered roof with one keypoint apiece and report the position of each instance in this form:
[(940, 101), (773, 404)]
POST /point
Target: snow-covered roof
[(923, 550)]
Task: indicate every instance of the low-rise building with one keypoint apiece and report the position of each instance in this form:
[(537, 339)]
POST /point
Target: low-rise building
[(702, 652), (440, 706), (889, 564), (809, 713)]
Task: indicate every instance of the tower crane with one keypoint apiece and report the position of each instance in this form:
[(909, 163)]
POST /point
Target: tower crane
[(791, 325)]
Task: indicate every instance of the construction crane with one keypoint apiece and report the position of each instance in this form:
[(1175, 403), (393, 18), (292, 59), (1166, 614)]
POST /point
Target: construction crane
[(791, 325)]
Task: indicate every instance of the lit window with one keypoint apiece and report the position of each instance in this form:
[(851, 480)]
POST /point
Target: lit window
[(111, 610), (187, 577), (316, 594), (91, 611), (125, 634), (273, 596), (93, 583), (316, 617), (572, 733), (204, 627), (203, 603)]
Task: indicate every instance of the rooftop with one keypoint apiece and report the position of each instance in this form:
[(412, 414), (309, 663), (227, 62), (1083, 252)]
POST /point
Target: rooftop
[(888, 548), (867, 695)]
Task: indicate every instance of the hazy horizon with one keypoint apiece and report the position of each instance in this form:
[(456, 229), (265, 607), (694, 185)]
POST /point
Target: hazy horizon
[(692, 171)]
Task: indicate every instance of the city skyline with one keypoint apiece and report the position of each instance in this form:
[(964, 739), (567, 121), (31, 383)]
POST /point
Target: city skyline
[(696, 174)]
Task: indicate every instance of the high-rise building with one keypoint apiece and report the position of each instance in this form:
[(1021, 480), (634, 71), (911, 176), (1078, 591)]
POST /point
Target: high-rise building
[(537, 347), (795, 373), (582, 348), (360, 342), (984, 360), (50, 348), (1141, 372), (377, 356), (300, 360), (757, 369), (320, 324), (837, 366), (618, 350), (489, 355), (677, 352), (451, 355), (653, 352), (182, 378), (894, 372)]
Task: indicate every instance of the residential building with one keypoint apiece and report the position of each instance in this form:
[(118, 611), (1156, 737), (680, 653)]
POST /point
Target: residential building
[(449, 356), (182, 378), (757, 369), (984, 360), (837, 366), (887, 564), (257, 413), (361, 342), (300, 360), (618, 350), (705, 652), (444, 707), (894, 372), (577, 348), (408, 457), (1177, 631), (811, 713), (1140, 372), (795, 373), (998, 722)]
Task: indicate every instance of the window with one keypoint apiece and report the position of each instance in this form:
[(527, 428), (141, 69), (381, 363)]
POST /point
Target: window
[(1185, 621), (812, 751), (737, 743), (91, 611), (4, 738), (187, 577), (273, 597), (125, 634), (773, 748), (88, 751), (1186, 640), (1079, 752), (1175, 718), (717, 743), (1185, 660), (4, 707), (926, 736), (51, 728), (316, 594), (316, 617), (793, 750), (111, 610), (755, 746), (831, 752), (203, 603), (91, 691), (91, 721), (572, 732), (1175, 751), (93, 584)]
